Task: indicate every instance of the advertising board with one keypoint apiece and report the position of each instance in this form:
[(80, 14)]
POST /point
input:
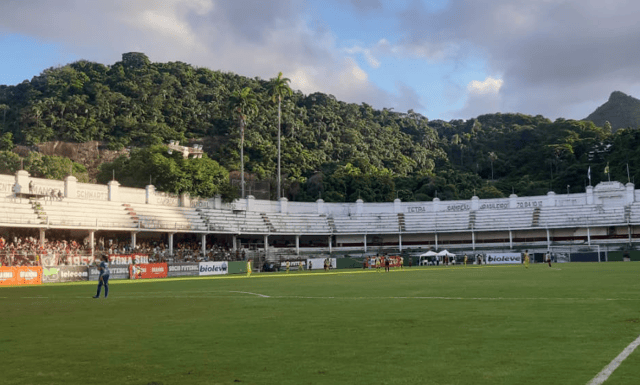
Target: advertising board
[(503, 258), (318, 263), (213, 268), (51, 274), (115, 272), (148, 270), (183, 269), (20, 275)]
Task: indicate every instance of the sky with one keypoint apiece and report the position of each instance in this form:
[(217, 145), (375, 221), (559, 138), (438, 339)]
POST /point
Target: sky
[(446, 59)]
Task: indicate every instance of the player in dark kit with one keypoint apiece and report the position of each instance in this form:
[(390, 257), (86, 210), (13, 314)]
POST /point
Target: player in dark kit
[(104, 277)]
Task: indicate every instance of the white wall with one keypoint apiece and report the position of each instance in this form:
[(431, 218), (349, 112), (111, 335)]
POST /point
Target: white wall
[(132, 195), (92, 192)]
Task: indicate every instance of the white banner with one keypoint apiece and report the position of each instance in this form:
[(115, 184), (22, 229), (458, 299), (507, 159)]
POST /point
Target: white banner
[(214, 268), (318, 263), (503, 258)]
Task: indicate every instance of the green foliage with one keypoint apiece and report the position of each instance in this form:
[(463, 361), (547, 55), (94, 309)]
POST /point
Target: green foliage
[(42, 166), (6, 142), (202, 177), (337, 150)]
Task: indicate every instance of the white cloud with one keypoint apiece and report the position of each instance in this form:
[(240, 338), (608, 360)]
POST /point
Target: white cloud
[(369, 57), (247, 37), (488, 86)]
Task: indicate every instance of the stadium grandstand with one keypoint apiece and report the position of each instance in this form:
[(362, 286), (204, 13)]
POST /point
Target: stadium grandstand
[(79, 220)]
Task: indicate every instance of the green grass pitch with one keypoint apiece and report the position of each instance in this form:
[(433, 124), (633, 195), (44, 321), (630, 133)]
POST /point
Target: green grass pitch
[(436, 325)]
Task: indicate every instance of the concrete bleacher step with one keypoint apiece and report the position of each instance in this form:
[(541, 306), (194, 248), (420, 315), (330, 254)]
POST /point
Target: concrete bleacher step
[(401, 222), (332, 224), (266, 220), (535, 220), (627, 214)]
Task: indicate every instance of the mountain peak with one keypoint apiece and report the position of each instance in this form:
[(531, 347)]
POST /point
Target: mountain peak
[(621, 110)]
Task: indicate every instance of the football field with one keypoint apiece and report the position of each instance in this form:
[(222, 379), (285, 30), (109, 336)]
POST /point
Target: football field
[(435, 325)]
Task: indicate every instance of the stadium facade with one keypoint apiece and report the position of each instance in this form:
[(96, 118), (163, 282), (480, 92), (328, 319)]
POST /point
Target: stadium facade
[(606, 216)]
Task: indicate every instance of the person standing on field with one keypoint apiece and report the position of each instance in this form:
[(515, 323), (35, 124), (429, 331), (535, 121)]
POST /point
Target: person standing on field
[(103, 279), (287, 264), (249, 268), (526, 259), (548, 258)]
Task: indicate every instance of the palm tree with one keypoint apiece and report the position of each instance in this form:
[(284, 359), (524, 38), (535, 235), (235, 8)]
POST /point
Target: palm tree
[(244, 104), (492, 158), (279, 88)]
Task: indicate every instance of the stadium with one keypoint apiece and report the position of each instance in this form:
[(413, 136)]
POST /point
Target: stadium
[(600, 224), (206, 321)]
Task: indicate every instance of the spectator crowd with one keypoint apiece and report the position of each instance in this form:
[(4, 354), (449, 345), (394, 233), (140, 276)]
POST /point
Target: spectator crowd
[(27, 251)]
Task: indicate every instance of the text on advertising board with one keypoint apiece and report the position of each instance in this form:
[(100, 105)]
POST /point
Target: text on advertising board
[(213, 268)]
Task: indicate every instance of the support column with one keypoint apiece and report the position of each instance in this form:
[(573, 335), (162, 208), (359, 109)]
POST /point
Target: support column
[(330, 243), (113, 191), (436, 241), (365, 243), (70, 187), (510, 239), (171, 244), (42, 237), (473, 240), (548, 239), (92, 242), (266, 243), (133, 239), (235, 246), (588, 236), (297, 244), (204, 245), (400, 242), (22, 182)]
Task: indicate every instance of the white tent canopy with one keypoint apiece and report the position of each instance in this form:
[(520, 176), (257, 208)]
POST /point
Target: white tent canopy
[(445, 253), (429, 253)]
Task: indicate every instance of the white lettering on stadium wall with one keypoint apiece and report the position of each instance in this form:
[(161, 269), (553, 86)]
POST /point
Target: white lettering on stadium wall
[(529, 204), (6, 187), (494, 206), (416, 209), (92, 195), (460, 207)]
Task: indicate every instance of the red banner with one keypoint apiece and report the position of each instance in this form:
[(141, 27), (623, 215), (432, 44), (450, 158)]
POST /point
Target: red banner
[(148, 270), (20, 275), (128, 259)]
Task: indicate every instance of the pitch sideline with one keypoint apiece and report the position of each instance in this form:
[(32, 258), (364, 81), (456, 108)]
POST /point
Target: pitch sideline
[(609, 369)]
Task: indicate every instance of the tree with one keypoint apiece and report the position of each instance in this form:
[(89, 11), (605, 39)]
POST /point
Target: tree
[(244, 105), (279, 87), (201, 177), (492, 158)]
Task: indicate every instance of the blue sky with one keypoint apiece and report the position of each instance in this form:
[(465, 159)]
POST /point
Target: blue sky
[(447, 59)]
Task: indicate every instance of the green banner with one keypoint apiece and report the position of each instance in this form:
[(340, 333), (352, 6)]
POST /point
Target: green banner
[(237, 267), (348, 263), (615, 256)]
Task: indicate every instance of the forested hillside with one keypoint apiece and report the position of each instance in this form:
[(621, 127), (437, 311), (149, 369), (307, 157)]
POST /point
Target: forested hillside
[(331, 149)]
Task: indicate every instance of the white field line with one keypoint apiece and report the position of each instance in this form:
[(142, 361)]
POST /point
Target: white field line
[(608, 370), (247, 292), (250, 295)]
